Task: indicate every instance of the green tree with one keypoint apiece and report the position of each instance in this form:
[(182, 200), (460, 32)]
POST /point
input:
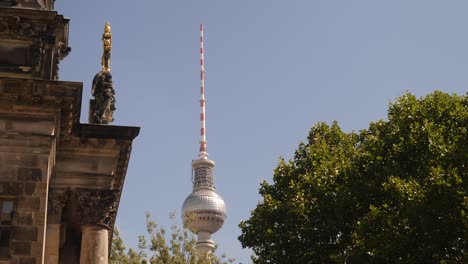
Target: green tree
[(118, 254), (393, 193), (176, 248)]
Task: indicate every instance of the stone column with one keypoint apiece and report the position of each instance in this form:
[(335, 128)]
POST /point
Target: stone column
[(56, 202), (94, 244), (98, 209)]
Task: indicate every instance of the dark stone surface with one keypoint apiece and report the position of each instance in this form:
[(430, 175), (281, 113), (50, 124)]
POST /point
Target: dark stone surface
[(21, 248), (11, 188), (111, 132), (28, 260), (24, 233), (33, 203), (30, 188), (56, 201), (29, 174), (7, 3)]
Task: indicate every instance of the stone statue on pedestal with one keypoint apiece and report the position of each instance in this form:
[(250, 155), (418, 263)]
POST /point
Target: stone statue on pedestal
[(102, 106)]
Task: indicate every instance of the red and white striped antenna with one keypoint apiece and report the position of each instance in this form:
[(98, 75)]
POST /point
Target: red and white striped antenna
[(203, 154)]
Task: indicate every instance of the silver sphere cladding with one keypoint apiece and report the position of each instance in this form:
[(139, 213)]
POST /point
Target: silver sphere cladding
[(204, 211)]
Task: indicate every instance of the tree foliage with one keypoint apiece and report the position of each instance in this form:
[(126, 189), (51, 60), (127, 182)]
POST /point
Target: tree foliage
[(178, 247), (393, 193)]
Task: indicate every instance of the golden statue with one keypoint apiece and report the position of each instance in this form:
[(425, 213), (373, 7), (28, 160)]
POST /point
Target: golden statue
[(107, 46)]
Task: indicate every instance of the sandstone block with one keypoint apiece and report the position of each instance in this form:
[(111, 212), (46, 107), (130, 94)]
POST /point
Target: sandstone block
[(24, 233), (22, 218), (11, 188), (21, 248), (32, 203)]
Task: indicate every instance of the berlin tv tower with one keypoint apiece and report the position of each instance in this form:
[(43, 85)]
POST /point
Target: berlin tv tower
[(203, 211)]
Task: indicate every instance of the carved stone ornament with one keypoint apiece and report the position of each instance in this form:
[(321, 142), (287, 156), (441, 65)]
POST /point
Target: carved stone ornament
[(15, 27), (98, 207), (55, 205), (61, 52), (37, 54)]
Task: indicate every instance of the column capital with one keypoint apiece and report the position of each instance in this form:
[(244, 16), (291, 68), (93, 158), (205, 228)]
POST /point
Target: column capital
[(98, 207)]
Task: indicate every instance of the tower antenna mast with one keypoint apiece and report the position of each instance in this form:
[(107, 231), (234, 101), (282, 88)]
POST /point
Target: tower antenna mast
[(203, 153)]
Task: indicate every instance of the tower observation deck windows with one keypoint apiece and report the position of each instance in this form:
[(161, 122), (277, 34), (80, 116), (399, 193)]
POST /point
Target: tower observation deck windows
[(204, 177)]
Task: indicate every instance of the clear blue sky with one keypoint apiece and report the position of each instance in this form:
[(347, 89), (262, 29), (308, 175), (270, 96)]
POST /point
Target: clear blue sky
[(273, 69)]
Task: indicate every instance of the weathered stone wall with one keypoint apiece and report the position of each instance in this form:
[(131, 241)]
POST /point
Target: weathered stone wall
[(24, 178), (27, 156)]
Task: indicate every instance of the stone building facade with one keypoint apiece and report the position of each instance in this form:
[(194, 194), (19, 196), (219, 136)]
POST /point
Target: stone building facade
[(60, 180)]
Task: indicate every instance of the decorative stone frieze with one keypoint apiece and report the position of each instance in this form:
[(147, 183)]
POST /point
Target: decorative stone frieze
[(98, 207), (15, 27)]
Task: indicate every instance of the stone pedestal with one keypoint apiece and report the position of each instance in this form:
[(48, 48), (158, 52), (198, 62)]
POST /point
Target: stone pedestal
[(53, 244), (94, 245)]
